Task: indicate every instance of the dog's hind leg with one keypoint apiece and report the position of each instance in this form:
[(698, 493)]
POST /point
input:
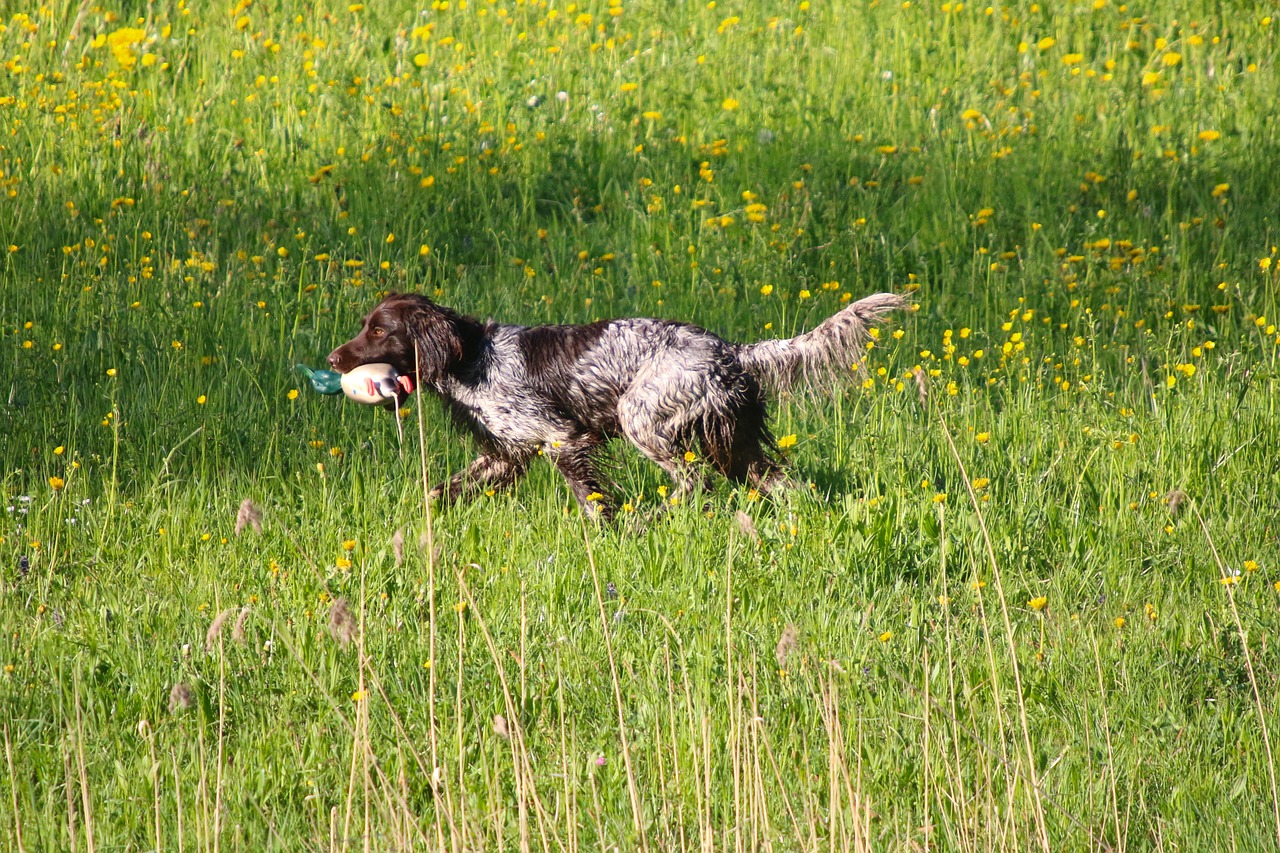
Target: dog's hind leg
[(489, 470), (662, 439)]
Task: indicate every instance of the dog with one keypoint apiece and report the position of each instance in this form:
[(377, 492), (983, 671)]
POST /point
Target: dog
[(563, 391)]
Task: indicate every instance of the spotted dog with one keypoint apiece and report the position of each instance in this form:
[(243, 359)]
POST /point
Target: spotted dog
[(565, 390)]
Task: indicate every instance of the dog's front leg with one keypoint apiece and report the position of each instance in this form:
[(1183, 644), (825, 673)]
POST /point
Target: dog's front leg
[(489, 470), (575, 460)]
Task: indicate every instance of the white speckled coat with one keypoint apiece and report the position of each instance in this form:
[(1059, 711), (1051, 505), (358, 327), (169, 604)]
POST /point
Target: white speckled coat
[(564, 391)]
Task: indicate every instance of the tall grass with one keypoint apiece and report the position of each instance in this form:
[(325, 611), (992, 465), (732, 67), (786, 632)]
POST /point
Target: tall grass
[(1025, 598)]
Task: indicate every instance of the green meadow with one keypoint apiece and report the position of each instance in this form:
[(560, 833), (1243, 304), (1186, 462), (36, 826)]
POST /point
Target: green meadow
[(1025, 597)]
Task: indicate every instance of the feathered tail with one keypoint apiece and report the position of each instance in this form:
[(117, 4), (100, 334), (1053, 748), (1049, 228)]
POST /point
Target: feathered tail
[(833, 346)]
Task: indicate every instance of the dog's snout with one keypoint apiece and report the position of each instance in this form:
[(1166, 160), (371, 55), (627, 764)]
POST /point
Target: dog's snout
[(335, 359)]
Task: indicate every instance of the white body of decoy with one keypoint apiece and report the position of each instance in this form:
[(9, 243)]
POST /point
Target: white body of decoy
[(375, 383)]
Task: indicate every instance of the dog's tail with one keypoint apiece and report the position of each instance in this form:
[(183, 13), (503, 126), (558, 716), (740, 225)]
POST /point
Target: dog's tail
[(834, 346)]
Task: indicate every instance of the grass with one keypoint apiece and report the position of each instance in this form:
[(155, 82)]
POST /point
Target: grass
[(1028, 600)]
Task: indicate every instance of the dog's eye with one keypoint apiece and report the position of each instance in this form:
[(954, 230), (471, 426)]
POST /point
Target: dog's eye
[(377, 332)]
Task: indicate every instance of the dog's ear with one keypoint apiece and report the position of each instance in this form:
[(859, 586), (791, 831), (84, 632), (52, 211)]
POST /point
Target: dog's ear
[(436, 338)]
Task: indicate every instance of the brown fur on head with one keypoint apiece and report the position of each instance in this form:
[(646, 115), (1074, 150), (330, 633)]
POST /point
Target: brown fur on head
[(409, 332)]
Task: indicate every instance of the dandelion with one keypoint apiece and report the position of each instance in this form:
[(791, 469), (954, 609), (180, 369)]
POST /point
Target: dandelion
[(1171, 58), (886, 636), (982, 437), (1251, 565), (111, 371), (787, 645), (787, 441), (348, 544), (1208, 135), (729, 104), (1118, 622), (57, 483), (1038, 603), (342, 624), (359, 696), (248, 516), (293, 394)]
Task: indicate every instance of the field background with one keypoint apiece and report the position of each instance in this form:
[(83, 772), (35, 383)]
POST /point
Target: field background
[(1070, 642)]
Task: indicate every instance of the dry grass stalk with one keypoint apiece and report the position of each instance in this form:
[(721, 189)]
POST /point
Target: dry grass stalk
[(215, 628), (397, 545), (922, 387), (180, 698), (237, 631), (248, 516), (787, 644), (342, 624)]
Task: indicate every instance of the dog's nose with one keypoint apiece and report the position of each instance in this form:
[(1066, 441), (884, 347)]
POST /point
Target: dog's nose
[(334, 359)]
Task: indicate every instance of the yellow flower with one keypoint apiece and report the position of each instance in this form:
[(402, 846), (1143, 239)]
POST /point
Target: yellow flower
[(293, 393), (1208, 135), (1250, 565), (766, 290), (690, 456), (460, 606), (1118, 622), (358, 696), (787, 441), (886, 636), (343, 563), (982, 437), (1229, 580), (1171, 58), (59, 450), (1072, 59), (595, 496), (111, 371), (1038, 603), (56, 483), (940, 497), (348, 544), (200, 400), (1046, 42), (729, 104), (421, 59), (1220, 190)]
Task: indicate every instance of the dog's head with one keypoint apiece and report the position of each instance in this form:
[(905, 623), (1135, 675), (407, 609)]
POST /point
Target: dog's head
[(409, 332)]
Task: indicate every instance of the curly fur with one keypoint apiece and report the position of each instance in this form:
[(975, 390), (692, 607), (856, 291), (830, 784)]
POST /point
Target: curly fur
[(564, 391)]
